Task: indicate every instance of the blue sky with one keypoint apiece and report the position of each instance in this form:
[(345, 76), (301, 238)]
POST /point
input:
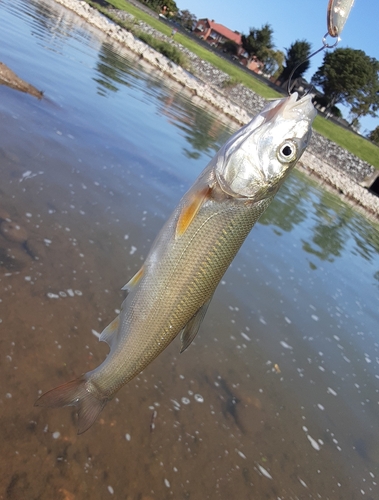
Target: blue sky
[(296, 20)]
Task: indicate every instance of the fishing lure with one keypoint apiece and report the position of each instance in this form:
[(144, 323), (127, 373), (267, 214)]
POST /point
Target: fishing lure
[(337, 13)]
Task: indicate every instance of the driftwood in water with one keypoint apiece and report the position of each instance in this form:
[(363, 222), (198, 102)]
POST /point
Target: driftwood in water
[(9, 78)]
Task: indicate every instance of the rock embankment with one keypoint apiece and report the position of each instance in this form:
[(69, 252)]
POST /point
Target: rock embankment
[(328, 161), (10, 79)]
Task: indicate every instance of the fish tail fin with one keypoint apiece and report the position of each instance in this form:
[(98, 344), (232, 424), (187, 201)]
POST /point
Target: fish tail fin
[(75, 393)]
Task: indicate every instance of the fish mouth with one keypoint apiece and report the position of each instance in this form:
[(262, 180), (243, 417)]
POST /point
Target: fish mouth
[(291, 107), (304, 104)]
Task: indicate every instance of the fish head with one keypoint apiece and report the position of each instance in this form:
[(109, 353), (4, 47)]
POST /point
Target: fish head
[(254, 162)]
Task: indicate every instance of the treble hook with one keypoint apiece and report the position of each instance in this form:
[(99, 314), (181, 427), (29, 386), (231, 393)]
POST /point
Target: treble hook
[(325, 45)]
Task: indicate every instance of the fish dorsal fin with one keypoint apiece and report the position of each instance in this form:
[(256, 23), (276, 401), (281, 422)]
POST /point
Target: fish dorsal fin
[(109, 334), (189, 332), (134, 281), (191, 208)]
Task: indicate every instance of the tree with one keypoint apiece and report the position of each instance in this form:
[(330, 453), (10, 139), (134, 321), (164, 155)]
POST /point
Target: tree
[(350, 77), (259, 42), (273, 64), (296, 53), (374, 135), (367, 102), (186, 19), (167, 7), (230, 47)]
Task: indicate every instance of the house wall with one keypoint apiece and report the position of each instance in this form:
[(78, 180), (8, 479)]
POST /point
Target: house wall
[(202, 29)]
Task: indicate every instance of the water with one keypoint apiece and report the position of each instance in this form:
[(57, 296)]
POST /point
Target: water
[(277, 397)]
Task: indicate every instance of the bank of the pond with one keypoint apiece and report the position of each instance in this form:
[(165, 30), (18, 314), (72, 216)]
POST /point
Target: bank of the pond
[(330, 163)]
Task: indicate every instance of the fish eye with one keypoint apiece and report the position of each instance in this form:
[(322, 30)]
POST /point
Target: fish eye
[(287, 151)]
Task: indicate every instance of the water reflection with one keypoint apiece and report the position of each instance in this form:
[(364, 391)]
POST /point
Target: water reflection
[(331, 227), (49, 26), (329, 233), (113, 70), (203, 131), (277, 397), (290, 208)]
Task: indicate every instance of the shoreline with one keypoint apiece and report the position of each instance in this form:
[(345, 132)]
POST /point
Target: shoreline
[(241, 104)]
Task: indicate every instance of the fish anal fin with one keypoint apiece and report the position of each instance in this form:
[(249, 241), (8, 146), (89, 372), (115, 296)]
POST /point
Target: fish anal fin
[(109, 334), (134, 281), (189, 332), (191, 208), (76, 394)]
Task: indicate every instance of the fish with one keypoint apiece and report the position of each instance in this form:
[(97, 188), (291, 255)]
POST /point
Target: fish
[(171, 292)]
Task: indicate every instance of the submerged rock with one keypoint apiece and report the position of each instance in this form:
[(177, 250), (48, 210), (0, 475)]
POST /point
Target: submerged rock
[(13, 260), (9, 78), (35, 248), (13, 232), (3, 214)]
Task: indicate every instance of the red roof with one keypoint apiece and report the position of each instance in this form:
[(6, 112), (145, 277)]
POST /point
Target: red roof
[(225, 32)]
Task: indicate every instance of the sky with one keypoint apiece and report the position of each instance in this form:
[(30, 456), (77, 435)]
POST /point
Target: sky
[(293, 20)]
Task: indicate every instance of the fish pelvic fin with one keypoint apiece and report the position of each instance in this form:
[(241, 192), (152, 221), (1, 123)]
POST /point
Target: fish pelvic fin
[(76, 394), (189, 332)]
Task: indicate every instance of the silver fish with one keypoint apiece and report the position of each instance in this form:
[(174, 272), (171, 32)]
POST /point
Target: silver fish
[(172, 290)]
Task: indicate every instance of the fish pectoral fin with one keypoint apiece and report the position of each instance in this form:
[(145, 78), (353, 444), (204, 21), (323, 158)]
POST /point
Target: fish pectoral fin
[(134, 281), (109, 334), (191, 208), (189, 332)]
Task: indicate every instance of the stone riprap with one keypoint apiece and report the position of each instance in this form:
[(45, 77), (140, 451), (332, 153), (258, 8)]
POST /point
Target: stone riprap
[(340, 158), (328, 161)]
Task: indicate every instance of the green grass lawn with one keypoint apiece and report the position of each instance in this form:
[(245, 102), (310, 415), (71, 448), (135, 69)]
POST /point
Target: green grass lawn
[(348, 140), (352, 142), (141, 15)]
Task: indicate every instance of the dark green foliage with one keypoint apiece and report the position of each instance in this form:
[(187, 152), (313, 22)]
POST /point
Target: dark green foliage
[(350, 77), (273, 64), (374, 136), (169, 6), (259, 42), (296, 53), (230, 47), (168, 50), (230, 83), (185, 18)]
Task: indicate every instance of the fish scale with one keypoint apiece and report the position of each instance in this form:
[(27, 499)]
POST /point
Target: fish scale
[(205, 253)]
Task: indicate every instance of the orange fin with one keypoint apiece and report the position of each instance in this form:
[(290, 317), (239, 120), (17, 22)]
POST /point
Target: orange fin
[(74, 393), (190, 210), (134, 281)]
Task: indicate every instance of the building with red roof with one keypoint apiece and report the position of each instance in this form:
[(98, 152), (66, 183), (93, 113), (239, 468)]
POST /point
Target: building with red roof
[(217, 34)]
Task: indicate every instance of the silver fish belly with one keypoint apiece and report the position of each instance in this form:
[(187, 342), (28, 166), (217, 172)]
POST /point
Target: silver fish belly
[(171, 292)]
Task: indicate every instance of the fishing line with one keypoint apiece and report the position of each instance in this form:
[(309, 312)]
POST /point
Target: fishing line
[(324, 47)]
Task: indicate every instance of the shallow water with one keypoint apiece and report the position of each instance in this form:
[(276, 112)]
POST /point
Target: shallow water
[(277, 397)]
